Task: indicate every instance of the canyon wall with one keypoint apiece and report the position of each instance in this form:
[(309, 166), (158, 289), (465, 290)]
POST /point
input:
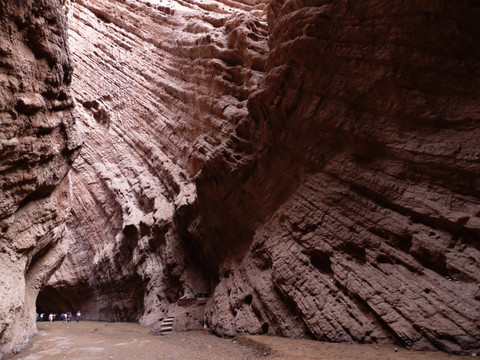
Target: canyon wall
[(313, 165), (37, 145), (371, 115), (159, 89)]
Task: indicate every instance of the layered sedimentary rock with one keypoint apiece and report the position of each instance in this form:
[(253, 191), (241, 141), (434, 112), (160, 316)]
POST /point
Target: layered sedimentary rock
[(37, 142), (371, 115), (325, 185), (160, 88)]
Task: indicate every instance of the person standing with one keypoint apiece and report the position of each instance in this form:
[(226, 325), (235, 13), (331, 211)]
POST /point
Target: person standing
[(78, 315)]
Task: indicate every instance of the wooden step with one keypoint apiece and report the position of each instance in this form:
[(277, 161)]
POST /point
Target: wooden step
[(167, 325)]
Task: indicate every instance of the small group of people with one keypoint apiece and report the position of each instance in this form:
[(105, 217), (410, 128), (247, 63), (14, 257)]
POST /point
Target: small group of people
[(64, 317)]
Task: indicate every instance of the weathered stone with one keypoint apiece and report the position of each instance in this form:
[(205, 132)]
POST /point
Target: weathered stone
[(161, 89), (37, 143), (379, 235), (313, 165)]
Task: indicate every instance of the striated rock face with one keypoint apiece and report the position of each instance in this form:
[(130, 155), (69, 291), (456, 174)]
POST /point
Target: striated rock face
[(37, 142), (323, 184), (159, 90), (370, 112)]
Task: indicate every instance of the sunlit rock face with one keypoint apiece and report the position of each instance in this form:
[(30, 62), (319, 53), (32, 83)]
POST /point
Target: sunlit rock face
[(160, 87), (37, 143), (313, 165)]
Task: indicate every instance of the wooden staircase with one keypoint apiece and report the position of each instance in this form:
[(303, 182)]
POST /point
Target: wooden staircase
[(181, 309), (166, 326)]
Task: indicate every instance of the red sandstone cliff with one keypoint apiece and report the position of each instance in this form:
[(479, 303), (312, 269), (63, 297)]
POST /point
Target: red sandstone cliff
[(323, 185), (37, 142), (366, 192), (159, 90)]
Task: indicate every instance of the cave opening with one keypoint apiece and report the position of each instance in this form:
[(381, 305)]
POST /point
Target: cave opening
[(119, 301), (59, 300), (321, 261), (265, 327)]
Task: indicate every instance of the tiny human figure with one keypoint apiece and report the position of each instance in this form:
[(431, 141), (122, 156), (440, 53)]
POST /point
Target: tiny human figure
[(50, 317), (78, 315), (69, 316)]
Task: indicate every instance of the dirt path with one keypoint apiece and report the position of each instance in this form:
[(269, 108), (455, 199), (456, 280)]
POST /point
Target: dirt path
[(90, 340)]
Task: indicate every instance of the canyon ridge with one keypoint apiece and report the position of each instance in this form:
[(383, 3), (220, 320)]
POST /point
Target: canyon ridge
[(303, 168)]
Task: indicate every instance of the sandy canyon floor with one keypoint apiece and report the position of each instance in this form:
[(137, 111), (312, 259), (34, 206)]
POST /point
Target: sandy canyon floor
[(117, 341)]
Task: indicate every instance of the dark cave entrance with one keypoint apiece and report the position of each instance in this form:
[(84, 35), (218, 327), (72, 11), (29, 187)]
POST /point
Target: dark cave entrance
[(61, 300), (120, 301)]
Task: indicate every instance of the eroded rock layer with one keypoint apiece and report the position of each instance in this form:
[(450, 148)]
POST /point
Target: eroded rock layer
[(159, 88), (325, 185), (37, 142), (372, 110)]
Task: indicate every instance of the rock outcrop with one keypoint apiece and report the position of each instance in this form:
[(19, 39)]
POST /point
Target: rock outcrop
[(313, 165), (159, 90), (37, 145), (370, 112)]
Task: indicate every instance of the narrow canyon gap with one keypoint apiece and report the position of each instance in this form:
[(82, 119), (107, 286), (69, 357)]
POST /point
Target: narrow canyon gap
[(311, 165)]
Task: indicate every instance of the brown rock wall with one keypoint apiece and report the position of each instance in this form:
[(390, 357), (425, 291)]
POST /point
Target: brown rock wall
[(323, 186), (37, 143), (372, 109), (159, 89)]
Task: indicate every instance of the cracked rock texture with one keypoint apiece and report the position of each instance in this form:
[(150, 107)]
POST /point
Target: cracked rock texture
[(313, 165), (159, 89), (371, 115), (37, 144)]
